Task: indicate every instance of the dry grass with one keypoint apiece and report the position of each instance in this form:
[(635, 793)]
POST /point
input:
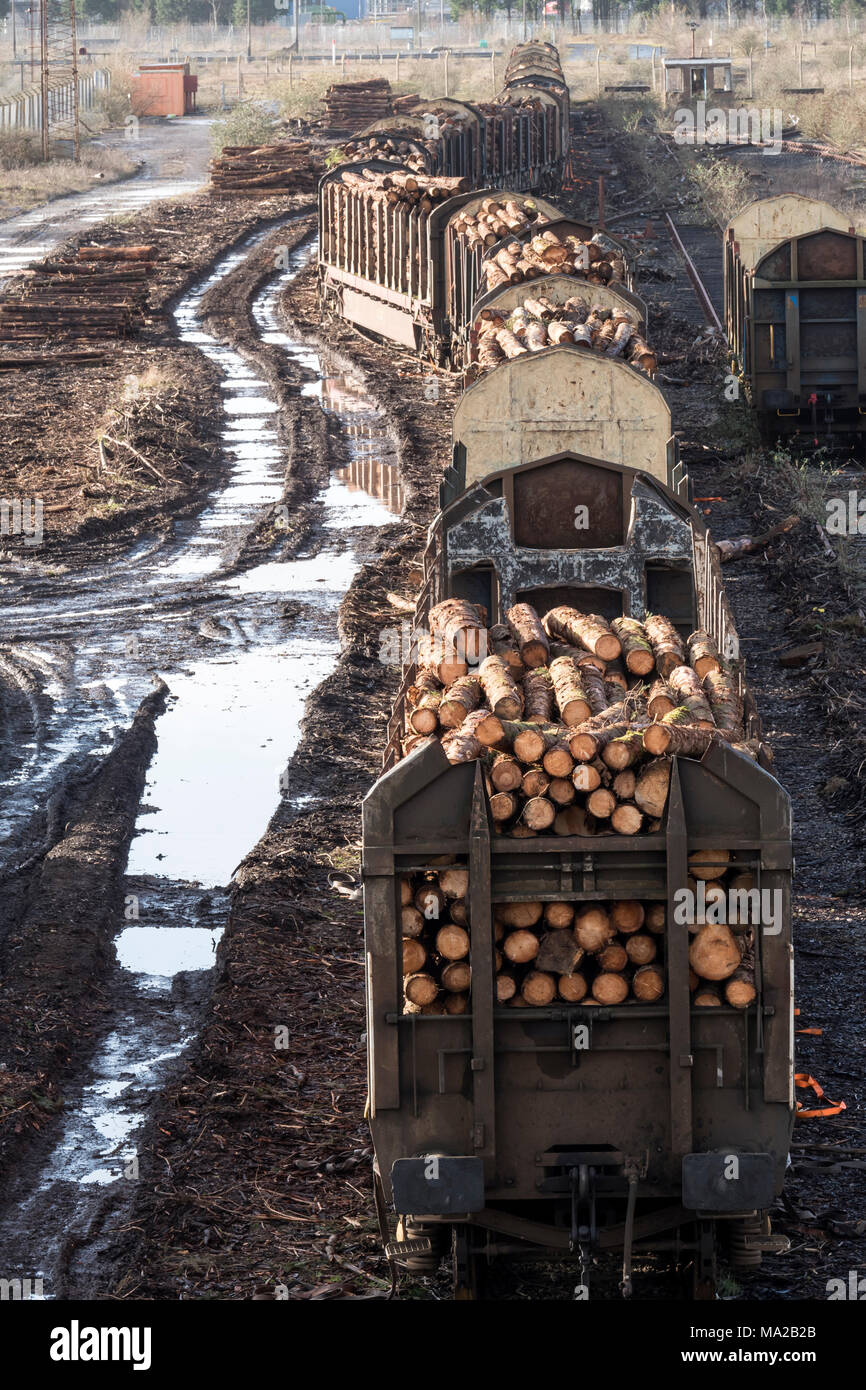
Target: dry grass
[(25, 184)]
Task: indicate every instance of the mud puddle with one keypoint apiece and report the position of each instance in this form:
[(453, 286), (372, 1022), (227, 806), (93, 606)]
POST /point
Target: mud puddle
[(240, 672)]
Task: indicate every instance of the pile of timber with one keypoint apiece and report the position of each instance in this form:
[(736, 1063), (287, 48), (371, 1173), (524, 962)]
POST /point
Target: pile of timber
[(403, 105), (435, 926), (99, 292), (575, 719), (496, 218), (351, 105), (539, 323), (551, 253), (407, 150), (290, 166), (403, 186), (588, 953)]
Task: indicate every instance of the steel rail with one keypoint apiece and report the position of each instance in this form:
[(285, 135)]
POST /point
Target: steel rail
[(707, 307)]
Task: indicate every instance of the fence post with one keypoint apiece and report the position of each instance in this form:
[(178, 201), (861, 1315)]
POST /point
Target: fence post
[(445, 56), (598, 72)]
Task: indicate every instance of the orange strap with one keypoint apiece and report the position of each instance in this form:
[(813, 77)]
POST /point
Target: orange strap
[(810, 1032), (808, 1083)]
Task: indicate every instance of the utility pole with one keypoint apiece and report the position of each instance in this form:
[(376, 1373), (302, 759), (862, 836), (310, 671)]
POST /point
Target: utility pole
[(76, 129), (419, 25), (524, 21), (297, 25), (14, 46), (249, 34), (43, 35)]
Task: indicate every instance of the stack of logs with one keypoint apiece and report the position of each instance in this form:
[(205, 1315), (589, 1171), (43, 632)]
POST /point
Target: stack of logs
[(495, 219), (402, 186), (405, 150), (352, 105), (290, 166), (587, 953), (574, 718), (538, 323), (99, 292), (552, 253), (435, 926)]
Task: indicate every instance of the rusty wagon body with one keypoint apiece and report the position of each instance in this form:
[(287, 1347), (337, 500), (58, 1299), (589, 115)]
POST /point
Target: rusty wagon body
[(571, 1129)]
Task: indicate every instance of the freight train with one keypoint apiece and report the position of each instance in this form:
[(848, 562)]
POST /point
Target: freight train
[(795, 315), (414, 271), (523, 1113), (518, 141)]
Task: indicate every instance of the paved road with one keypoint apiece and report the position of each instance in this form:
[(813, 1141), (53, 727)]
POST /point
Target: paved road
[(173, 155)]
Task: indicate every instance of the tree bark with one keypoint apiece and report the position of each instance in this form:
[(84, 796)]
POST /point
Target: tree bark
[(462, 626), (652, 785), (661, 699), (703, 652), (538, 696), (528, 633), (666, 643), (459, 700), (501, 643), (623, 751), (504, 696), (636, 650), (569, 690), (587, 630), (683, 740), (687, 685), (423, 700), (725, 702)]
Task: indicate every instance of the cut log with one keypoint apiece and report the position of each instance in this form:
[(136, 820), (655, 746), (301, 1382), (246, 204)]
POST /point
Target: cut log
[(636, 649), (569, 692), (520, 946), (456, 976), (559, 953), (456, 1004), (627, 915), (538, 988), (414, 955), (484, 725), (520, 914), (586, 777), (519, 831), (624, 751), (420, 989), (601, 803), (504, 696), (587, 630), (740, 989), (423, 699), (688, 687), (572, 988), (411, 921), (452, 942), (594, 685), (714, 953), (539, 813), (436, 657), (609, 988), (703, 653), (623, 784), (557, 761), (461, 747), (407, 892), (652, 785), (538, 696), (430, 901), (459, 911), (530, 636), (725, 701), (461, 698), (668, 647), (682, 740), (626, 819), (592, 929), (641, 948), (615, 674), (648, 983), (506, 987), (454, 882), (462, 626), (501, 643), (709, 863), (535, 782), (613, 958), (558, 914), (561, 791), (506, 774), (661, 699), (656, 914), (706, 997)]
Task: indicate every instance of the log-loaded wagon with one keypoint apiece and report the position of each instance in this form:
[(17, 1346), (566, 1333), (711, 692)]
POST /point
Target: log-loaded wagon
[(795, 315), (577, 861), (405, 256), (518, 141)]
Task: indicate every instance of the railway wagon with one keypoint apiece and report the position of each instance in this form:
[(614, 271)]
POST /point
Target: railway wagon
[(795, 310), (576, 1128), (537, 66), (407, 274)]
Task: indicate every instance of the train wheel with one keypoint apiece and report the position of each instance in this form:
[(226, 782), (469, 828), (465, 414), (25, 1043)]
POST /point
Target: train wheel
[(467, 1267)]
